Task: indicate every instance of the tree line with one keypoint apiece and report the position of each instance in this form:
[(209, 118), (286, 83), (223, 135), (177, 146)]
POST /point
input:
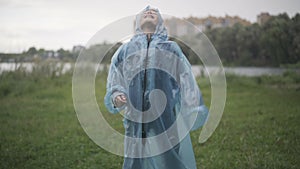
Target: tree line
[(274, 43)]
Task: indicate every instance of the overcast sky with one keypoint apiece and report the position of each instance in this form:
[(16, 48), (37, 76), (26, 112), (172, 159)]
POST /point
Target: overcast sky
[(54, 24)]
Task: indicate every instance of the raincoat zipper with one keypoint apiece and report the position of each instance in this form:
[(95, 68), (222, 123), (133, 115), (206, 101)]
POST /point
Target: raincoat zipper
[(145, 82)]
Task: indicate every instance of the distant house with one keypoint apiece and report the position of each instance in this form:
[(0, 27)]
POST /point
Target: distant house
[(180, 27), (263, 17)]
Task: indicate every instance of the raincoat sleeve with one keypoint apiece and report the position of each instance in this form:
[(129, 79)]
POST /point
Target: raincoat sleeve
[(115, 82), (192, 104)]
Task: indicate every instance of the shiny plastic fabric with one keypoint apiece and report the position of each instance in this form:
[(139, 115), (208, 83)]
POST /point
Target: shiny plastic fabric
[(163, 99)]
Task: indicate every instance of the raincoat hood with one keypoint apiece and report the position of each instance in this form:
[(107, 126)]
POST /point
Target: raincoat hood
[(160, 30)]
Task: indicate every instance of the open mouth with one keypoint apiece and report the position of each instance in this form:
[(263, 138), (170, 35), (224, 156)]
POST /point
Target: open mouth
[(149, 16)]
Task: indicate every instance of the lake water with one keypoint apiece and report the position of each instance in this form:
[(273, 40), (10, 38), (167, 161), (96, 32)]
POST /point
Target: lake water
[(197, 70), (29, 66), (243, 71)]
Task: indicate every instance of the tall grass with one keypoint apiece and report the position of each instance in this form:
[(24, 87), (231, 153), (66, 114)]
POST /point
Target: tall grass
[(39, 128)]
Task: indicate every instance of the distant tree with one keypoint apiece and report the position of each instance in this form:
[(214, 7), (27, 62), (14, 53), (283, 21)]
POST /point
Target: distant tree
[(277, 40), (110, 52), (187, 51), (41, 51), (31, 51), (64, 54), (225, 42), (295, 32), (247, 47)]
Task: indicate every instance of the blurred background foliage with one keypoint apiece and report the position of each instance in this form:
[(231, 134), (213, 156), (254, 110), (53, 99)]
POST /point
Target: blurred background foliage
[(276, 43)]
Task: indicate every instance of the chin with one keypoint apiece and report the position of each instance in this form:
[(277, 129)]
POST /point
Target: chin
[(149, 24)]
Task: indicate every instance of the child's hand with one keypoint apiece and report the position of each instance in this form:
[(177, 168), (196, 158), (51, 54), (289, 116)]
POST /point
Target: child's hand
[(120, 100)]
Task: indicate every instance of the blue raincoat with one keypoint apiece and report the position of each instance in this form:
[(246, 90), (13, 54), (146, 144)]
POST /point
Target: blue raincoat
[(163, 104)]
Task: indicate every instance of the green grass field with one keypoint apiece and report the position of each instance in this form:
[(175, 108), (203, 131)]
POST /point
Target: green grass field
[(39, 127)]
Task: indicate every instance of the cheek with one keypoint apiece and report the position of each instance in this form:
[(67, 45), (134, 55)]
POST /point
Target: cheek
[(156, 20), (142, 21)]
